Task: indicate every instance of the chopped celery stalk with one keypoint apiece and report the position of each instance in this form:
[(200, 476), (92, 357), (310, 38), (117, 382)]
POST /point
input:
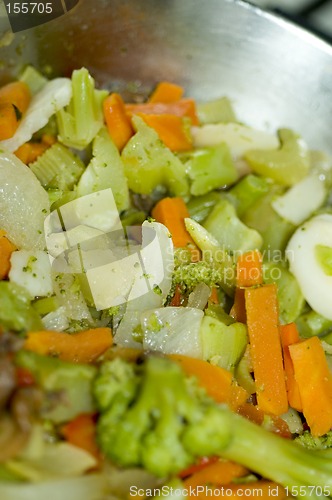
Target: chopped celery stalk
[(274, 230), (16, 312), (67, 386), (286, 165), (243, 373), (199, 207), (57, 168), (210, 168), (216, 311), (222, 344), (33, 79), (301, 200), (231, 234), (216, 111), (54, 195), (150, 164), (291, 300), (82, 119), (105, 170), (247, 191), (311, 324), (324, 257), (45, 305)]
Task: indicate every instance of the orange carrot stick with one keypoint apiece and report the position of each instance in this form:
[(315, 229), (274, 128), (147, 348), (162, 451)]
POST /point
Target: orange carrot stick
[(118, 124), (8, 121), (217, 381), (249, 271), (217, 473), (315, 384), (171, 212), (265, 347), (171, 129), (166, 92), (6, 250), (17, 94), (238, 310), (289, 335), (82, 347), (183, 107), (29, 151), (81, 432), (214, 299)]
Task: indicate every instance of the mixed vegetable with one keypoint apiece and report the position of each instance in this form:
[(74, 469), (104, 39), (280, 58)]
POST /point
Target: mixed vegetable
[(165, 298)]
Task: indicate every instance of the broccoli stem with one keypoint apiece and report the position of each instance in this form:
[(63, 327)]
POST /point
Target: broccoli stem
[(276, 458)]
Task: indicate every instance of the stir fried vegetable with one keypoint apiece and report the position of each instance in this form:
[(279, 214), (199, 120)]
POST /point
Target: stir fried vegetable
[(165, 286)]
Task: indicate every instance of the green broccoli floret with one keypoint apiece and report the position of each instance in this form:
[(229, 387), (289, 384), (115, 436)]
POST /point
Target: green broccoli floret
[(314, 442), (167, 422)]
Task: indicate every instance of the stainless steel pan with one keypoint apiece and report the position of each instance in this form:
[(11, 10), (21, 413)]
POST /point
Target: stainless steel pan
[(276, 74)]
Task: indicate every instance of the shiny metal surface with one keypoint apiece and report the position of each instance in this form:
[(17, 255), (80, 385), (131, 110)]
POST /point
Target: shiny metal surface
[(276, 74)]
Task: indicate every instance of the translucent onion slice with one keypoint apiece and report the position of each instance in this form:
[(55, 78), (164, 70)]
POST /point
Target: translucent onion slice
[(314, 278), (24, 204)]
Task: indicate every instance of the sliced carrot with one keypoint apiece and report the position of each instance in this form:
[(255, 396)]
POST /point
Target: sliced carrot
[(200, 464), (166, 92), (81, 432), (218, 382), (177, 297), (6, 250), (315, 384), (17, 94), (217, 473), (24, 377), (214, 299), (8, 121), (172, 130), (82, 347), (171, 212), (118, 124), (48, 139), (183, 107), (29, 151), (265, 347), (238, 309), (289, 335), (258, 416), (249, 271), (257, 489)]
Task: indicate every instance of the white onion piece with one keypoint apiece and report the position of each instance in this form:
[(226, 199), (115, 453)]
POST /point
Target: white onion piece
[(24, 203), (51, 98), (56, 320), (173, 330), (239, 138), (301, 200), (32, 271), (315, 284)]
